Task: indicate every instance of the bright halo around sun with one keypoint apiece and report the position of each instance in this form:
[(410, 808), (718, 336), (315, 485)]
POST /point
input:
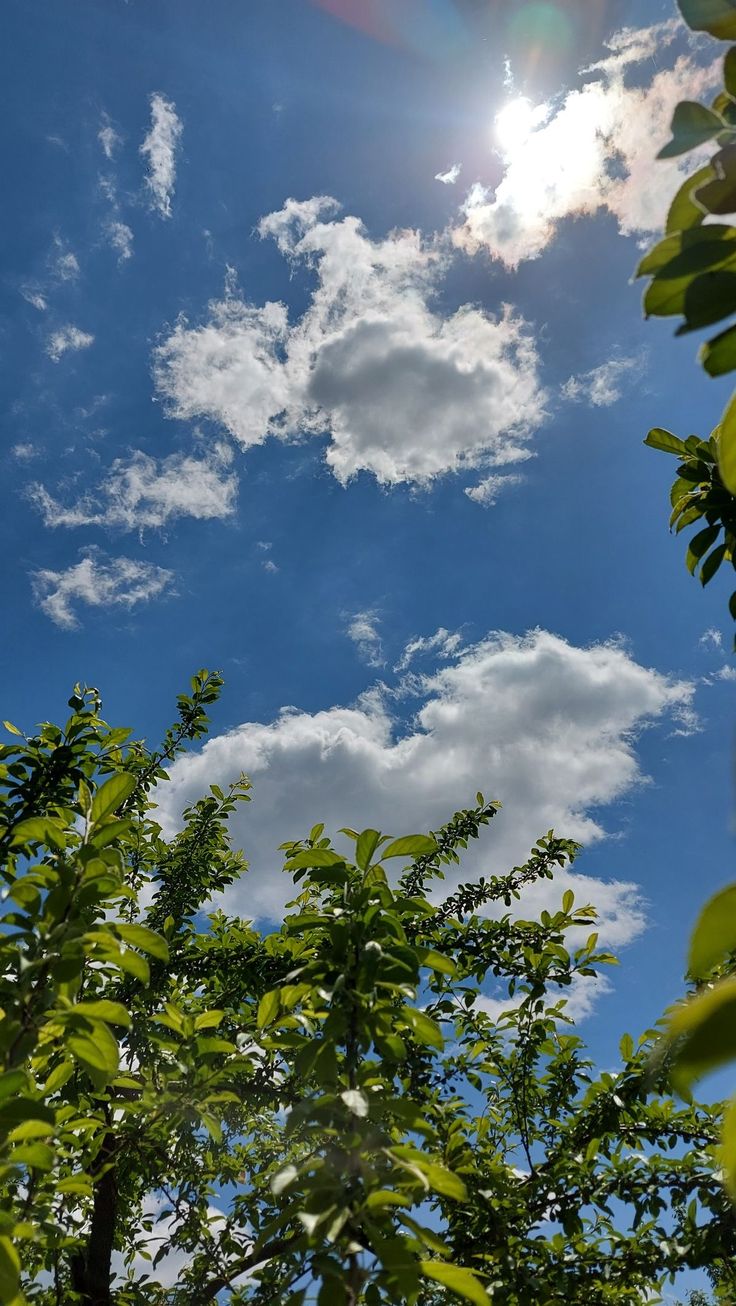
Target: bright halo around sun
[(515, 122)]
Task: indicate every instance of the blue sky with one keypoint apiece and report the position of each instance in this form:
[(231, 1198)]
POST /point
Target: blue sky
[(378, 459)]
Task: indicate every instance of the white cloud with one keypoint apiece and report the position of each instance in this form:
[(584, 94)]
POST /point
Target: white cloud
[(444, 644), (486, 492), (25, 451), (65, 339), (34, 295), (159, 148), (401, 391), (120, 237), (362, 629), (593, 149), (548, 728), (99, 582), (726, 672), (601, 386), (66, 263), (146, 493), (711, 638), (450, 177), (580, 997), (108, 137)]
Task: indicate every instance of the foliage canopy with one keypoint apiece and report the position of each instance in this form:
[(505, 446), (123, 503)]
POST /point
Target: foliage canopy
[(384, 1100)]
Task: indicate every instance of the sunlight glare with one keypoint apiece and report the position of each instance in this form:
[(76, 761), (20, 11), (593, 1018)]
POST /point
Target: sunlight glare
[(515, 122)]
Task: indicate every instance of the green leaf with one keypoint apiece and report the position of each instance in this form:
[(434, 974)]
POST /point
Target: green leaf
[(692, 125), (626, 1047), (38, 1156), (714, 936), (699, 545), (708, 299), (728, 1148), (705, 1031), (31, 1129), (11, 1083), (435, 961), (208, 1019), (139, 936), (314, 857), (712, 563), (411, 845), (444, 1182), (462, 1282), (96, 1052), (685, 211), (658, 438), (715, 16), (9, 1271), (103, 1009), (365, 847), (727, 446), (110, 796), (729, 71), (719, 354), (268, 1008), (424, 1028), (717, 194)]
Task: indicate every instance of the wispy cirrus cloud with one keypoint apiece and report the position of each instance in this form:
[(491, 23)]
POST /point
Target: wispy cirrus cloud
[(450, 177), (142, 493), (97, 582), (160, 148), (603, 385), (363, 629), (68, 339)]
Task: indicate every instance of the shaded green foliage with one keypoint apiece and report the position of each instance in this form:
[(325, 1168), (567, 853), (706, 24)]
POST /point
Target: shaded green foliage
[(383, 1100)]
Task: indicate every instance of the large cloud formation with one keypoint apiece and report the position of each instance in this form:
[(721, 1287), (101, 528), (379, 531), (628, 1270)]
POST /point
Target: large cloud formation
[(592, 150), (546, 727), (401, 390)]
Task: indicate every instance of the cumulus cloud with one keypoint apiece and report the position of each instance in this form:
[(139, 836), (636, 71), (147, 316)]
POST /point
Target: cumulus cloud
[(444, 644), (98, 582), (548, 728), (590, 150), (486, 492), (160, 148), (450, 177), (66, 339), (601, 386), (144, 492), (400, 390), (362, 629)]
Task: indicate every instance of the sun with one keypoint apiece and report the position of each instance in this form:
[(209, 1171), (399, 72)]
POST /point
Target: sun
[(515, 122)]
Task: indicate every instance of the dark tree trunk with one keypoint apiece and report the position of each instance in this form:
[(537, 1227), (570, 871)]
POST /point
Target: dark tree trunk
[(91, 1269)]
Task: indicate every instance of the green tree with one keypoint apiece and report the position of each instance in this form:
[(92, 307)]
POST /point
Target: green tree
[(382, 1101)]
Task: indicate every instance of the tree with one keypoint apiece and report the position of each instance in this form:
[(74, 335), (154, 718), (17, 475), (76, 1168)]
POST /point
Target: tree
[(330, 1111)]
